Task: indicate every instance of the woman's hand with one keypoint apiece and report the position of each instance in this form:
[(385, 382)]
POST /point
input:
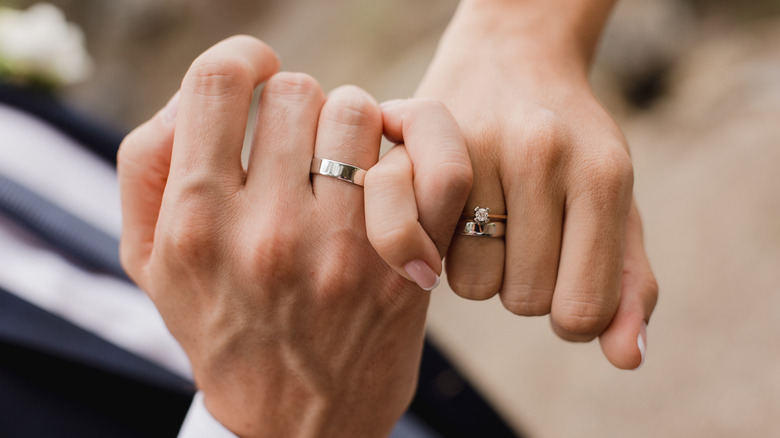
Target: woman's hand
[(514, 75), (293, 324)]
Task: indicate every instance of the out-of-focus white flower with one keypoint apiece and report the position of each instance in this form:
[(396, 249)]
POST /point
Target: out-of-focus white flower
[(39, 46)]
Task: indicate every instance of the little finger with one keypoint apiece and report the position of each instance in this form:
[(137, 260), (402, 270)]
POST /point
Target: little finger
[(392, 221), (143, 163), (624, 342)]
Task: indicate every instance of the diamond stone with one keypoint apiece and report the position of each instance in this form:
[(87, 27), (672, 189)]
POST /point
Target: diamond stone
[(481, 215)]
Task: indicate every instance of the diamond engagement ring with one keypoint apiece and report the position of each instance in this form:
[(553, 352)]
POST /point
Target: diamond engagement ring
[(335, 169), (483, 216), (482, 223)]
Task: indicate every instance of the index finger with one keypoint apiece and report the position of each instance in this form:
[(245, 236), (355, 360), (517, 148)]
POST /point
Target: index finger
[(214, 106)]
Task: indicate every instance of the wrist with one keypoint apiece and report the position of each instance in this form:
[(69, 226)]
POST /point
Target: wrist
[(201, 423), (269, 418), (287, 412), (560, 33)]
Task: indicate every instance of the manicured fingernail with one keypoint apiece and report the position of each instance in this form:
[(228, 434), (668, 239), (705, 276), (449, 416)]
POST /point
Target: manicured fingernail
[(422, 274), (171, 110), (641, 342), (390, 103)]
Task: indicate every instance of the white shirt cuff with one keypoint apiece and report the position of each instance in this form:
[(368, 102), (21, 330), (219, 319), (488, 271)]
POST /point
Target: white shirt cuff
[(200, 424)]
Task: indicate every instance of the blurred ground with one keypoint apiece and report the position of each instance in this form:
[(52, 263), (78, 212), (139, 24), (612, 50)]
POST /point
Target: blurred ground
[(696, 87)]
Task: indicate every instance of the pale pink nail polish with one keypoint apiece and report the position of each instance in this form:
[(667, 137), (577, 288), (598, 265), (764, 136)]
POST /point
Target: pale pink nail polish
[(422, 274), (171, 110), (641, 342)]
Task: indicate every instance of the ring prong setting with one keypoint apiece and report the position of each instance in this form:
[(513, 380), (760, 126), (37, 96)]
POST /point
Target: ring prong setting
[(481, 215)]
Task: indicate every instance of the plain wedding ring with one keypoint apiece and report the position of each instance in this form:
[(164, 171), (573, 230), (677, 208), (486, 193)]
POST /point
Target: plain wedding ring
[(335, 169), (490, 229)]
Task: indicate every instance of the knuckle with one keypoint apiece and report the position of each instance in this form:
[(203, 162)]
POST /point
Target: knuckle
[(610, 174), (473, 287), (126, 152), (332, 284), (542, 155), (137, 157), (244, 39), (135, 262), (188, 240), (545, 125), (525, 307), (331, 278), (454, 178), (427, 104), (652, 286), (274, 257), (545, 146), (387, 172), (200, 191), (214, 75), (192, 231), (583, 317), (292, 86), (351, 106), (651, 290), (526, 300), (482, 136)]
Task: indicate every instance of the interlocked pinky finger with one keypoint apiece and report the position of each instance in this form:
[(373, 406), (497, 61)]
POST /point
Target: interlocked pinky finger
[(392, 221)]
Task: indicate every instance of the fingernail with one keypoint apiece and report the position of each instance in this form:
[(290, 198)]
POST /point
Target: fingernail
[(390, 103), (422, 274), (641, 342), (171, 110)]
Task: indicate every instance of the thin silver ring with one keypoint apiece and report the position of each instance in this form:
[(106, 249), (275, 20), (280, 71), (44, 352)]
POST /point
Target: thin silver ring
[(490, 229), (336, 169)]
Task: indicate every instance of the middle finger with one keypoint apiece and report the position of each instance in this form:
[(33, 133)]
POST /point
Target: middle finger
[(286, 129)]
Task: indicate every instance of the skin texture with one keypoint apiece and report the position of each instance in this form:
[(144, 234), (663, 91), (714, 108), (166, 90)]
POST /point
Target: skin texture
[(514, 75), (293, 323)]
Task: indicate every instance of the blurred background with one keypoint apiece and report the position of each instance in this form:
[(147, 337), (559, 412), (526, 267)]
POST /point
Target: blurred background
[(696, 87)]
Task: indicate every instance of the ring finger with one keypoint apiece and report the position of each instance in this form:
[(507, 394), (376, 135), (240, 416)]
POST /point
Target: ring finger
[(475, 264), (349, 131)]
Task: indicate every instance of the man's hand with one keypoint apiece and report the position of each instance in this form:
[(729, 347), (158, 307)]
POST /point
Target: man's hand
[(293, 324), (514, 75)]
